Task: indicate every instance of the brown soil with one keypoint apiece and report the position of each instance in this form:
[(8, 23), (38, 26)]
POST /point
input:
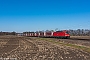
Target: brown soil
[(24, 48)]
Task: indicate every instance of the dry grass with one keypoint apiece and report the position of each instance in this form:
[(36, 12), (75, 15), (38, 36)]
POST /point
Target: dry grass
[(80, 37), (87, 49)]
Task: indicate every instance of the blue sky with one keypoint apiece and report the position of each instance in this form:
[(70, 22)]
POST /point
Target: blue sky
[(33, 15)]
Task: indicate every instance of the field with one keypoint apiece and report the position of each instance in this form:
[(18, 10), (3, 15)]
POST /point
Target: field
[(35, 48)]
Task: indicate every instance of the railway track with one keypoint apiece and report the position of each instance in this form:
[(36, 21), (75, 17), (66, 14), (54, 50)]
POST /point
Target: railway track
[(83, 42)]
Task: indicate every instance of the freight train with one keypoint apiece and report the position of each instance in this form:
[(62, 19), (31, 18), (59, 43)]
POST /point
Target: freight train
[(57, 34)]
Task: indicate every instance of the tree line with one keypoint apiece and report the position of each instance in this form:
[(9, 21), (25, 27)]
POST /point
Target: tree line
[(78, 32), (7, 33)]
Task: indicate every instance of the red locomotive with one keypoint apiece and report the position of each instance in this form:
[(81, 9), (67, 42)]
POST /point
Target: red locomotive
[(57, 34)]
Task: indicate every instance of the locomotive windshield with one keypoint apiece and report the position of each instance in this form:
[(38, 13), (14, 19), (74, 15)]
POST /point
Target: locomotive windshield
[(67, 32), (58, 31)]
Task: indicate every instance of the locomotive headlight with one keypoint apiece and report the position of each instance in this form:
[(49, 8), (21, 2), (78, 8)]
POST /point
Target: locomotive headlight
[(66, 35)]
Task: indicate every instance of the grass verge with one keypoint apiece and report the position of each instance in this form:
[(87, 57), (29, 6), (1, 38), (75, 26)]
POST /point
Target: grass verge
[(87, 49)]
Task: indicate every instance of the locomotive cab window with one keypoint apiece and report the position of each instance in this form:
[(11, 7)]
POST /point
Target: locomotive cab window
[(67, 32)]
